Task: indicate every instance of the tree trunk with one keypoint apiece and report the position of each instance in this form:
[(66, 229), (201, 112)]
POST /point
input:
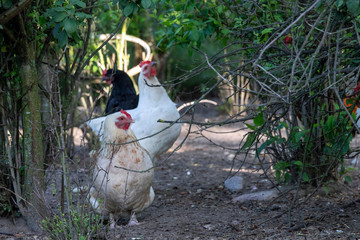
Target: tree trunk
[(35, 209)]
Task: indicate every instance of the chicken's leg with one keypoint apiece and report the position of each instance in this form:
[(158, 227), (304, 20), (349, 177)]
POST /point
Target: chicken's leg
[(112, 221), (133, 221)]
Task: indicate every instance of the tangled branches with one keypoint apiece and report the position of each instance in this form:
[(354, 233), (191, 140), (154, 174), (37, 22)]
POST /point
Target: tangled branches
[(293, 89)]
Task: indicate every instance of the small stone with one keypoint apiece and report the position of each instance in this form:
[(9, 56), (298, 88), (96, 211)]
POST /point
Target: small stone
[(231, 156), (355, 162), (208, 227), (210, 196), (275, 207), (257, 196), (235, 222), (234, 183)]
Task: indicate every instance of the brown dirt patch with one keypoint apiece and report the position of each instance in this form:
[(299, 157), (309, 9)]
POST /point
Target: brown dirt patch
[(192, 203)]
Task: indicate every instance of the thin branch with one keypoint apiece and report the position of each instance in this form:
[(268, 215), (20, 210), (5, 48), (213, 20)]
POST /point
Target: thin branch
[(284, 31), (85, 46), (12, 12), (102, 45)]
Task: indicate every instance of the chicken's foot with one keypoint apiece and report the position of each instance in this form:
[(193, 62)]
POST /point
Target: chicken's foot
[(112, 221), (133, 221)]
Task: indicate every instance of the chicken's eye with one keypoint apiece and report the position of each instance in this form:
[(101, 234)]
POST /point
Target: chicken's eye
[(121, 118)]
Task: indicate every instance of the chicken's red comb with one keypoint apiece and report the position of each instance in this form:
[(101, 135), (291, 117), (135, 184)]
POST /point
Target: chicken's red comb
[(126, 113), (104, 73), (142, 63)]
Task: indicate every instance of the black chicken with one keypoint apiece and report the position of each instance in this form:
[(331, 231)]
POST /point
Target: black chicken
[(123, 94)]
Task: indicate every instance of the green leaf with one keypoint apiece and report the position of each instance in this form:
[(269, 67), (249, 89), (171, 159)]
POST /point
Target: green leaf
[(267, 30), (287, 177), (70, 10), (259, 119), (330, 123), (129, 9), (194, 35), (79, 3), (56, 30), (347, 179), (170, 44), (284, 124), (298, 136), (70, 26), (136, 8), (262, 147), (298, 163), (157, 45), (353, 7), (225, 31), (146, 3), (281, 141), (251, 127), (339, 3), (320, 6), (326, 190), (266, 144), (249, 140), (63, 39), (178, 30), (57, 9), (59, 17), (82, 15), (6, 4), (278, 175), (305, 177)]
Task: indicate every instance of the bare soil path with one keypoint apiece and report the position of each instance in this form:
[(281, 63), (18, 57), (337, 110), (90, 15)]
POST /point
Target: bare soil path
[(192, 203)]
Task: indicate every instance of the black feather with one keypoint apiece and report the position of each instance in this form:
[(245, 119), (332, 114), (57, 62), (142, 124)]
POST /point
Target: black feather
[(123, 94)]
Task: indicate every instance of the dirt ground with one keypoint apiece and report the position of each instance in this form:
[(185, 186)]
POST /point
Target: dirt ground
[(192, 203)]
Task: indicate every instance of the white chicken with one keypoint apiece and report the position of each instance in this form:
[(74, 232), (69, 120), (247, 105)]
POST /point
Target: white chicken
[(123, 175), (154, 104)]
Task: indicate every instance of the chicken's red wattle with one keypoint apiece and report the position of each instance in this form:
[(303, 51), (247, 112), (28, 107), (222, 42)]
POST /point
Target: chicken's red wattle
[(153, 72)]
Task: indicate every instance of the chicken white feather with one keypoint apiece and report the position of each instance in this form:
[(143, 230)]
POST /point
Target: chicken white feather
[(154, 104), (123, 175)]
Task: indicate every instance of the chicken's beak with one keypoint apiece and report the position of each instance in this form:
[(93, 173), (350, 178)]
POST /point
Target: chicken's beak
[(129, 120), (127, 123), (107, 79), (153, 63)]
